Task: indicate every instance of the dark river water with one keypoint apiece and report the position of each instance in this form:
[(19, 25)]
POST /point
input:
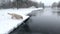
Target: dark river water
[(46, 21)]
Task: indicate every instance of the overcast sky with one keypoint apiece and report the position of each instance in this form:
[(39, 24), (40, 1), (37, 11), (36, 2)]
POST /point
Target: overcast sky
[(47, 2)]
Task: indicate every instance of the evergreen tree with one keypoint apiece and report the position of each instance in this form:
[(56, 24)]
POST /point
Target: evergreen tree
[(54, 5), (58, 5)]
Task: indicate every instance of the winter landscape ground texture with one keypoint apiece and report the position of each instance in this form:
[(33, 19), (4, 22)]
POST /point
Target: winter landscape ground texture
[(7, 24)]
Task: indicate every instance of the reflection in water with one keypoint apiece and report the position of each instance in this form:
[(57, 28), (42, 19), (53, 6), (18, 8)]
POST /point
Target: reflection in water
[(56, 11), (45, 22), (58, 14)]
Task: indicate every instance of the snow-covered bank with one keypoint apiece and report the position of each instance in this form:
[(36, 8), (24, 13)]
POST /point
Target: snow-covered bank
[(23, 11), (7, 24)]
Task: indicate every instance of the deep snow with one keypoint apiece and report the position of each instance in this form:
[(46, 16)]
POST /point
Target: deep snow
[(7, 24)]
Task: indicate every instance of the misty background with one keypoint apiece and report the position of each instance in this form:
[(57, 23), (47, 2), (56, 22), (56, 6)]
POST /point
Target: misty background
[(29, 3)]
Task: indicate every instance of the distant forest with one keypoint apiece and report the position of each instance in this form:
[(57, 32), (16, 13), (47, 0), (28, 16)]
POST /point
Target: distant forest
[(55, 4), (19, 4), (23, 3)]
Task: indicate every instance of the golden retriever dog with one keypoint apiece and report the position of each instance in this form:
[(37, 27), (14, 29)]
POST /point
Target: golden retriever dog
[(16, 16)]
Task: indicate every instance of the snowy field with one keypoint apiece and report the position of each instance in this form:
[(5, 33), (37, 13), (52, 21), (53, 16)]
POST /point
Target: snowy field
[(7, 24)]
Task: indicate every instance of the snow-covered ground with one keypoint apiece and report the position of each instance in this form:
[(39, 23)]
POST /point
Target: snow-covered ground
[(7, 24)]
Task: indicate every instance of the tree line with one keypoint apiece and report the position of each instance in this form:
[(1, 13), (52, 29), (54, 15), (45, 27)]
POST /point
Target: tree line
[(55, 4), (21, 4)]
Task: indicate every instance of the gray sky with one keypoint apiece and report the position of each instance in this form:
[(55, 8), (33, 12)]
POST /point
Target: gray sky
[(47, 2)]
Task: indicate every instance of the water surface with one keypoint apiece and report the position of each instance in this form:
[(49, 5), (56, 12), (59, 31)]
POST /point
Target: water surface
[(46, 21)]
